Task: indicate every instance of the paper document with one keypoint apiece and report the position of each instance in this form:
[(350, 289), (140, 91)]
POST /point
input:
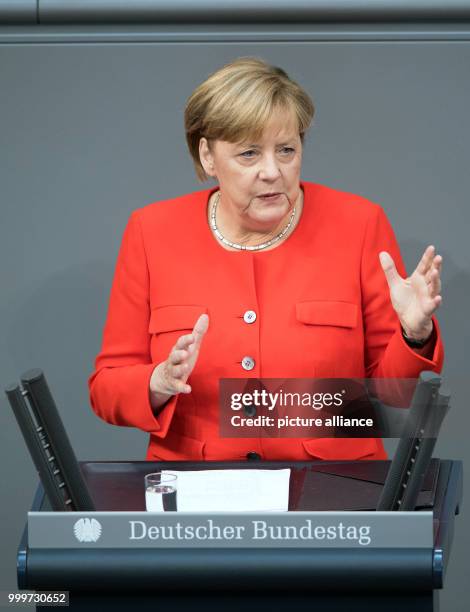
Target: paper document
[(232, 490)]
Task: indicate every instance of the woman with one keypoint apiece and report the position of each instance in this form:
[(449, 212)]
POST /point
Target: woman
[(264, 275)]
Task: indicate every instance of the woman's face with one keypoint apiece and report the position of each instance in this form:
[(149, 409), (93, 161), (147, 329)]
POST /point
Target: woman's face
[(246, 171)]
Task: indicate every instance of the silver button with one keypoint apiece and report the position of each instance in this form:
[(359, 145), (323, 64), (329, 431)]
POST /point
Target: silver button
[(249, 316), (248, 363)]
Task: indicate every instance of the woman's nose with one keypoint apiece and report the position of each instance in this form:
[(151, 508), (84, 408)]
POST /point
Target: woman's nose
[(269, 167)]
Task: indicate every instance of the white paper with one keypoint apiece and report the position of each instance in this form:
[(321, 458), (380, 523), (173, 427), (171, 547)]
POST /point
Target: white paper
[(233, 490)]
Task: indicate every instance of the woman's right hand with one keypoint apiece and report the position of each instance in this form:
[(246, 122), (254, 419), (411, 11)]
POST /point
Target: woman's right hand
[(170, 376)]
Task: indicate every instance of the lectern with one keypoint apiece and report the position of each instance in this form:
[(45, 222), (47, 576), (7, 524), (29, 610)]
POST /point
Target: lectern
[(275, 578), (398, 562)]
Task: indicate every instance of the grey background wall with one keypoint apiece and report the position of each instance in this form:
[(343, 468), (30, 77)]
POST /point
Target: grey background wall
[(91, 127)]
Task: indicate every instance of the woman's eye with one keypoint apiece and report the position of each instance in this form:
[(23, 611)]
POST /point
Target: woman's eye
[(248, 154), (287, 150)]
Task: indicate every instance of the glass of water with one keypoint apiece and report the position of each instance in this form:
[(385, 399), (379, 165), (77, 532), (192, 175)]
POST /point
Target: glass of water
[(160, 491)]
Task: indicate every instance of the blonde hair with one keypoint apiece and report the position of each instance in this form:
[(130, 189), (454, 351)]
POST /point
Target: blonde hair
[(236, 102)]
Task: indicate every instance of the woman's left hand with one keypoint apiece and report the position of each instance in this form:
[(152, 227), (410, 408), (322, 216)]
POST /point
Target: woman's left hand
[(417, 297)]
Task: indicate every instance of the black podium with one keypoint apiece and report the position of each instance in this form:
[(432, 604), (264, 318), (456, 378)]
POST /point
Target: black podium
[(233, 578)]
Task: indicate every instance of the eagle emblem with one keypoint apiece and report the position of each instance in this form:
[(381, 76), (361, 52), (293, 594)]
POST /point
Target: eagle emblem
[(87, 530)]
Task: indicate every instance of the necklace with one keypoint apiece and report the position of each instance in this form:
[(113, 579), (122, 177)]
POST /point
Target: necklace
[(242, 247)]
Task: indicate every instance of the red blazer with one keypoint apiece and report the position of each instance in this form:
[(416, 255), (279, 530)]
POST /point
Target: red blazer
[(322, 310)]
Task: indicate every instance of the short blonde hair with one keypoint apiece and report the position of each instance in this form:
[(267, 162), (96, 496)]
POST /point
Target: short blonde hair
[(236, 102)]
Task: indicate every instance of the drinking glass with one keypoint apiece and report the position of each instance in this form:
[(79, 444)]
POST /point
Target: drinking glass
[(160, 491)]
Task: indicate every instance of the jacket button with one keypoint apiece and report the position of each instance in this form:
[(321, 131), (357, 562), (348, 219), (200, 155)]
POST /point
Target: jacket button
[(248, 363), (252, 456), (250, 411), (249, 316)]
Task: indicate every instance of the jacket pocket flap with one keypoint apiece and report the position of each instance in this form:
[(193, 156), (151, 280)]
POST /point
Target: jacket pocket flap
[(171, 318), (340, 449), (341, 314)]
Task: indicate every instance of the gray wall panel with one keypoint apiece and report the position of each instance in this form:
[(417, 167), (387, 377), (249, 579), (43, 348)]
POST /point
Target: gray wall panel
[(188, 11), (217, 11), (91, 131), (233, 33), (18, 11)]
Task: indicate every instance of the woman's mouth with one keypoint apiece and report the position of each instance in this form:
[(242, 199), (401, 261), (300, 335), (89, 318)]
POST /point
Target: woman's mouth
[(269, 197)]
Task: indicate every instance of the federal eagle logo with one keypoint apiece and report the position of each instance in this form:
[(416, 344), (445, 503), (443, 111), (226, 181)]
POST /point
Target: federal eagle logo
[(87, 530)]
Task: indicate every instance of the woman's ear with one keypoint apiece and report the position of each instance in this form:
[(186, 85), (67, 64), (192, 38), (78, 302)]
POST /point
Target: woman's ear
[(206, 157)]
